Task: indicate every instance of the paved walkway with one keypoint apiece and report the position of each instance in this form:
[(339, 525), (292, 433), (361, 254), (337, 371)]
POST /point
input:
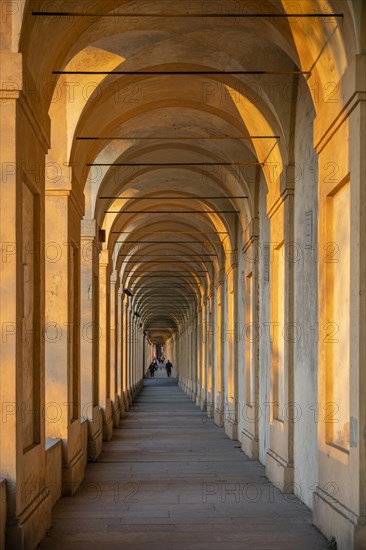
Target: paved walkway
[(172, 480)]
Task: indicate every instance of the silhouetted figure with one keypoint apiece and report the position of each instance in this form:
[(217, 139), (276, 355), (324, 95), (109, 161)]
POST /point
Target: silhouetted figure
[(152, 368), (168, 367)]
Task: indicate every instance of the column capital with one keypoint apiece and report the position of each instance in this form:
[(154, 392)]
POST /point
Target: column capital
[(250, 233), (350, 90), (104, 258), (285, 193), (221, 277), (88, 228), (231, 268), (66, 192)]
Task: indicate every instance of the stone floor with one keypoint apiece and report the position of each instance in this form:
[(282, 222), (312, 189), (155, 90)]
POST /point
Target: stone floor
[(172, 480)]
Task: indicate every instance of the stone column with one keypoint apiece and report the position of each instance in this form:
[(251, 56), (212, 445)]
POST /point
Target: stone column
[(89, 337), (211, 330), (125, 351), (113, 341), (250, 408), (63, 218), (204, 348), (220, 351), (24, 144), (198, 335), (190, 368), (339, 499), (279, 462), (194, 359), (231, 365), (104, 356), (120, 347), (130, 337), (136, 354)]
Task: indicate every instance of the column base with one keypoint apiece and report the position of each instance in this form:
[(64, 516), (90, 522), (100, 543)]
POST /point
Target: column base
[(73, 475), (231, 429), (116, 411), (219, 418), (129, 397), (335, 520), (122, 406), (2, 512), (29, 528), (280, 472), (210, 410), (219, 411), (249, 445), (126, 404), (107, 421), (95, 435)]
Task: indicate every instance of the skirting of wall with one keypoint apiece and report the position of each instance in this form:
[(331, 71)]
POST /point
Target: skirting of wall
[(107, 421), (2, 512), (73, 474), (95, 435), (335, 520), (231, 429), (116, 411), (30, 527), (279, 472), (249, 445)]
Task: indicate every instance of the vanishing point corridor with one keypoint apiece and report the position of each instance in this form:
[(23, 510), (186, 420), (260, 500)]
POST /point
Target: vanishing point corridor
[(172, 480), (182, 192)]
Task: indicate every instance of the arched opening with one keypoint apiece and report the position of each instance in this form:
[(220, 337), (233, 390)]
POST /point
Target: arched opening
[(190, 183)]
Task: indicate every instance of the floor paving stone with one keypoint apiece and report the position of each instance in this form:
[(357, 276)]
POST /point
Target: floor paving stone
[(172, 480)]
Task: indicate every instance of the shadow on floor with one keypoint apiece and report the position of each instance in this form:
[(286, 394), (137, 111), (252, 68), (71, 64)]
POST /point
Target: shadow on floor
[(161, 381)]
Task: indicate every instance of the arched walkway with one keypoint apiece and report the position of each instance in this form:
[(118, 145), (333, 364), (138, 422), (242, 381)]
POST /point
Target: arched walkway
[(172, 480), (184, 180)]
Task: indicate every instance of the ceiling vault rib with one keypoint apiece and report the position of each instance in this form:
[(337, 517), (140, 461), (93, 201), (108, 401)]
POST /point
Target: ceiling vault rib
[(172, 212), (183, 73), (174, 232), (175, 138), (175, 164), (164, 255), (175, 198), (212, 15), (169, 242)]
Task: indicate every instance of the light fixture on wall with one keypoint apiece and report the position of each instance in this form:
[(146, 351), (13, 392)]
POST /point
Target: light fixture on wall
[(128, 292)]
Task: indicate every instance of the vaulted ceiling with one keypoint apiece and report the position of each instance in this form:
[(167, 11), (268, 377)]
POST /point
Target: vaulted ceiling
[(170, 161)]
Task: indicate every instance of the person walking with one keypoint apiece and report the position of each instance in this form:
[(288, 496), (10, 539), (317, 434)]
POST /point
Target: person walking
[(152, 368), (168, 367)]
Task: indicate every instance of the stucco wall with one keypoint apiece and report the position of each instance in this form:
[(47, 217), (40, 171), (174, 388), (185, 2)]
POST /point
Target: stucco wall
[(264, 342), (306, 304)]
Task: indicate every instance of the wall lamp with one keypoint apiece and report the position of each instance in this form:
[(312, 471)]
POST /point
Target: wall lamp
[(128, 292)]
